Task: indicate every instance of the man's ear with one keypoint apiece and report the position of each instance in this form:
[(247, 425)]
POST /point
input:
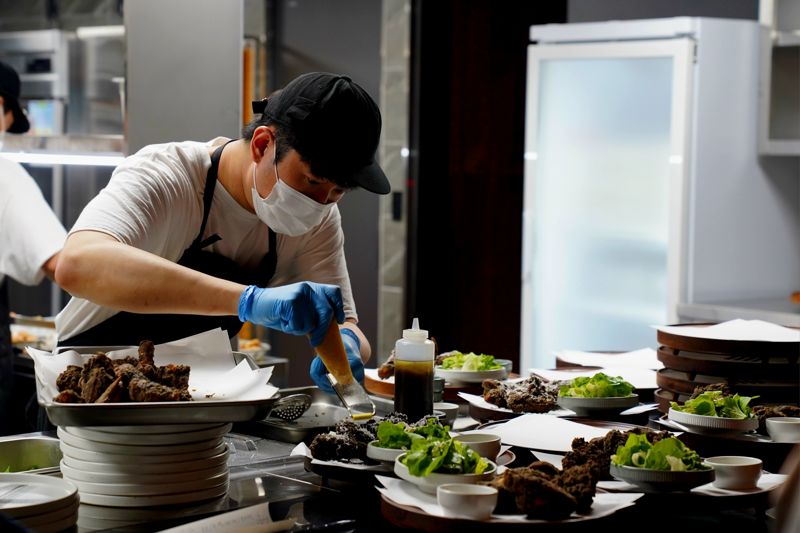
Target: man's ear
[(261, 144)]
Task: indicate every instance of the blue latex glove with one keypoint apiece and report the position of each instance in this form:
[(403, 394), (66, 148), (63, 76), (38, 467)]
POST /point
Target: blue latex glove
[(352, 346), (300, 308)]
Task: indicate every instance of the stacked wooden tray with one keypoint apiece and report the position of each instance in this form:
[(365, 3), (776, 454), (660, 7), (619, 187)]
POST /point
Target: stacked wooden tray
[(770, 370)]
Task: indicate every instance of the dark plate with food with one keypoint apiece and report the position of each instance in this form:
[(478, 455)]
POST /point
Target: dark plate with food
[(108, 391)]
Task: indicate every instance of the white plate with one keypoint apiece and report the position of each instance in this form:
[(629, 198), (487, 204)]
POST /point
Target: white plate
[(149, 489), (66, 436), (588, 406), (101, 476), (469, 376), (128, 468), (58, 526), (57, 515), (662, 480), (383, 454), (153, 428), (712, 424), (150, 439), (33, 494), (145, 501), (104, 457), (431, 481)]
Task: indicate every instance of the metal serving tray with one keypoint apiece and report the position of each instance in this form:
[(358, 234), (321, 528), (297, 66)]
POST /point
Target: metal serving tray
[(32, 455), (147, 413), (325, 411)]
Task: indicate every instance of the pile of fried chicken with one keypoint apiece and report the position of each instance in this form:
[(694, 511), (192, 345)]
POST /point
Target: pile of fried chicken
[(106, 380), (531, 395)]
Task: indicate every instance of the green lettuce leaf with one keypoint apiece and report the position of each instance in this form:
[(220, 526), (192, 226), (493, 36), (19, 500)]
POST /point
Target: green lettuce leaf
[(598, 386), (714, 403), (470, 362)]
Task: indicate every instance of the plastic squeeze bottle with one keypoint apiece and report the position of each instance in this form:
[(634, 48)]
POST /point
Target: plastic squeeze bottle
[(413, 373)]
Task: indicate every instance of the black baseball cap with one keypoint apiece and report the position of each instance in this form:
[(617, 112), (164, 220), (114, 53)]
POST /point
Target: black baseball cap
[(9, 90), (336, 125)]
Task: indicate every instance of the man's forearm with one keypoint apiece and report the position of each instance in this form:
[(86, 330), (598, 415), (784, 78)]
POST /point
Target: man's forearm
[(112, 274)]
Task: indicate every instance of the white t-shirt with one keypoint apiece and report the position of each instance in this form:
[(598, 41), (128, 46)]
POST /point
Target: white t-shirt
[(154, 201), (30, 233)]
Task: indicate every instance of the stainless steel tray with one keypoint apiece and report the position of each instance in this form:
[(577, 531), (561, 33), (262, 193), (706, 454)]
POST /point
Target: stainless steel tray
[(144, 413), (32, 455), (325, 411)]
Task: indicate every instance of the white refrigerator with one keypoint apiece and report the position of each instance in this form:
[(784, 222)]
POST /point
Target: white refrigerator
[(643, 186)]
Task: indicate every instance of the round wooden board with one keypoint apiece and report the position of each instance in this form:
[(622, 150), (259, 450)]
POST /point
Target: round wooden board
[(726, 365), (790, 350), (767, 391), (663, 398)]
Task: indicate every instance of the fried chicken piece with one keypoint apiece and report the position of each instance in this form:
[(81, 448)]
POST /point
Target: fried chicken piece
[(68, 396), (531, 395), (358, 433), (96, 376), (386, 370), (580, 482), (176, 376), (113, 393), (147, 351), (69, 379), (711, 387), (337, 447), (144, 390), (133, 361), (535, 493)]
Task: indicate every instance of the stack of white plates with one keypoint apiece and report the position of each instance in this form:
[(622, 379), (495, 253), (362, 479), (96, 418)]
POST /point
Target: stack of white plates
[(144, 466), (40, 503)]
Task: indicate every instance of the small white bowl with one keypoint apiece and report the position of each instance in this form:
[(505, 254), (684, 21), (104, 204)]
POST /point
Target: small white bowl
[(431, 481), (460, 500), (383, 454), (450, 411), (484, 444), (735, 472), (784, 428)]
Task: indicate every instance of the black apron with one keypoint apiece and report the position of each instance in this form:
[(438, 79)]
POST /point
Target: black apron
[(126, 328), (6, 360)]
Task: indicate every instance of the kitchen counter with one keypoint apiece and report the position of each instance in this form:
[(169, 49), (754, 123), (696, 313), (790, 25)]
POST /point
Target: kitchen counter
[(261, 470)]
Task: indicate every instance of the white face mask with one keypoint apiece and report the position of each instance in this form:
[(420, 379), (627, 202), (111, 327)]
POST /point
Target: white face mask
[(285, 210)]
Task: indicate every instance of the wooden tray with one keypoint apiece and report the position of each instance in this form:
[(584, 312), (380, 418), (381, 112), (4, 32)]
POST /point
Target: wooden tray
[(761, 349), (768, 391), (663, 398), (727, 364)]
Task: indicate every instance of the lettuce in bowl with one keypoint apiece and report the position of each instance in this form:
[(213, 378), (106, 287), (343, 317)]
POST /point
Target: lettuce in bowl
[(598, 386), (715, 403), (470, 362), (667, 454)]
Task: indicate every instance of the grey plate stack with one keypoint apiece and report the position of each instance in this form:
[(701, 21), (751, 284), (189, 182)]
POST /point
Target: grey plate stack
[(40, 503), (145, 466)]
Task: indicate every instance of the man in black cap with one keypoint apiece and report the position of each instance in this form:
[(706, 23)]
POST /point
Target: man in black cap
[(30, 233), (190, 236)]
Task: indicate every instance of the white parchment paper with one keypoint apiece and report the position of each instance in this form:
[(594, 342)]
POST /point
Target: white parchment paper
[(214, 374)]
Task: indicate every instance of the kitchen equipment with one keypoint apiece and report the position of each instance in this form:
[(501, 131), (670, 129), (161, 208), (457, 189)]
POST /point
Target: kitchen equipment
[(611, 248), (33, 455), (413, 372), (291, 407), (354, 398), (40, 503)]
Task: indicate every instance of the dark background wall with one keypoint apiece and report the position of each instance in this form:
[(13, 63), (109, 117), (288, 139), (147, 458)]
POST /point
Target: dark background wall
[(341, 37), (467, 116)]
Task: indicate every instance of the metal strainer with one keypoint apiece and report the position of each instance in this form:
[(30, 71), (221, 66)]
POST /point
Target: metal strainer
[(291, 407)]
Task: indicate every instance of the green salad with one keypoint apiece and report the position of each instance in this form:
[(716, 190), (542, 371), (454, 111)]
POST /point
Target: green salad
[(715, 403), (399, 436), (470, 362), (430, 448), (667, 454), (597, 386)]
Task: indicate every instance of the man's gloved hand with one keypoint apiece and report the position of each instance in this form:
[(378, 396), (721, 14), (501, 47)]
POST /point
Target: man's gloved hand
[(352, 346), (300, 308)]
